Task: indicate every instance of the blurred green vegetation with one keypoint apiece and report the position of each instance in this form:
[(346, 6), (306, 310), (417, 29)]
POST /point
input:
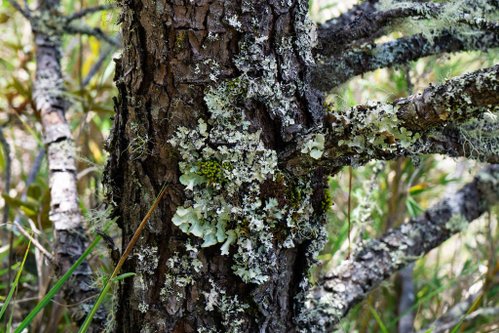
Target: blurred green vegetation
[(381, 195), (88, 70)]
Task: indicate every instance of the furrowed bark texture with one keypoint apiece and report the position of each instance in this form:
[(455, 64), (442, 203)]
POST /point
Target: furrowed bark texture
[(211, 92), (70, 239), (349, 283)]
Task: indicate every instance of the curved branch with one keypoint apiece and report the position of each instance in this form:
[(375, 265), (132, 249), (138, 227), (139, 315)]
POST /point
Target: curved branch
[(477, 140), (89, 31), (369, 23), (373, 263), (441, 327), (337, 70), (347, 18), (88, 11), (24, 11), (102, 57), (408, 126)]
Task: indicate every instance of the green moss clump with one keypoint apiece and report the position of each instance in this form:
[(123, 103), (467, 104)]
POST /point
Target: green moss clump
[(327, 202)]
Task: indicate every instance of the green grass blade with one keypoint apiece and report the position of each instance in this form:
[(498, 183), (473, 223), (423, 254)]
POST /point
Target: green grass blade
[(378, 319), (15, 283), (58, 285), (113, 278), (100, 299)]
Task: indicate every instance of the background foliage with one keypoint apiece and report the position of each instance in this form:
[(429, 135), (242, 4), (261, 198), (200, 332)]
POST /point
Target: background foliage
[(365, 201)]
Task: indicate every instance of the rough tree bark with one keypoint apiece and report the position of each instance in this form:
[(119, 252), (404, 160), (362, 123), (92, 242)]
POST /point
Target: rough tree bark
[(247, 61), (216, 100)]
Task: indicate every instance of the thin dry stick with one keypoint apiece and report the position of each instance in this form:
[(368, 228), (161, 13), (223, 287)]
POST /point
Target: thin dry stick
[(137, 233), (124, 256), (35, 242)]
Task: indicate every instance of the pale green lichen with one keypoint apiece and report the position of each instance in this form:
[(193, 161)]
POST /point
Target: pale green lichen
[(377, 128), (223, 165), (480, 136), (314, 146), (456, 223), (224, 162)]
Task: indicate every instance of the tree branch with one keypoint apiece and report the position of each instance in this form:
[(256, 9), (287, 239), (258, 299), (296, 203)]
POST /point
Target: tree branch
[(24, 11), (88, 11), (458, 314), (408, 126), (50, 101), (334, 38), (384, 128), (366, 21), (97, 65), (89, 31), (350, 282), (347, 18), (335, 71), (478, 139)]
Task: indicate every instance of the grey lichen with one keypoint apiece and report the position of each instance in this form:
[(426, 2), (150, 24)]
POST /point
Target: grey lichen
[(147, 259), (223, 165), (182, 271), (457, 223), (480, 136), (373, 127), (230, 308)]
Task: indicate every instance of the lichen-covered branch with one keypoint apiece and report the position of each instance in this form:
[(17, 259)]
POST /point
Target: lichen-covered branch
[(370, 20), (458, 314), (407, 300), (336, 70), (408, 126), (344, 20), (477, 139), (374, 262), (333, 38)]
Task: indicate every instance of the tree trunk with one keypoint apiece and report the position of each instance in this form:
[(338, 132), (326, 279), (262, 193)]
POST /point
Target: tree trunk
[(213, 94)]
